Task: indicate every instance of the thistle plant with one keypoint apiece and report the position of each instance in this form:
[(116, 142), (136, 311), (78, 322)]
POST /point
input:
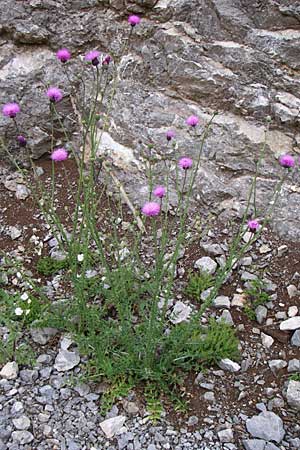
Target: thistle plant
[(121, 320)]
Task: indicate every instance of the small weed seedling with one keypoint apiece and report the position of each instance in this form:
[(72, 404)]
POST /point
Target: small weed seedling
[(197, 283), (256, 296)]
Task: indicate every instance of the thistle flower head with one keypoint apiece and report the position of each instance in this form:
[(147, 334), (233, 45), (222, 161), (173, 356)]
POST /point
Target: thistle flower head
[(106, 60), (93, 57), (170, 134), (54, 94), (134, 20), (11, 110), (159, 191), (151, 209), (60, 154), (185, 163), (192, 121), (63, 55), (253, 225), (21, 140), (286, 161)]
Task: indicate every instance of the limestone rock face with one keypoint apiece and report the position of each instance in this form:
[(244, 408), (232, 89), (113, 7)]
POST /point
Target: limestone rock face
[(186, 57)]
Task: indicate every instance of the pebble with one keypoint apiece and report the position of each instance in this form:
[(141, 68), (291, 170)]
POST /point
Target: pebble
[(290, 324), (267, 341), (292, 311), (111, 427), (277, 364), (206, 264), (226, 435), (22, 437), (21, 423), (221, 302), (180, 313), (296, 338), (230, 366), (292, 290), (267, 426), (293, 394), (66, 360), (10, 371), (294, 365), (261, 313)]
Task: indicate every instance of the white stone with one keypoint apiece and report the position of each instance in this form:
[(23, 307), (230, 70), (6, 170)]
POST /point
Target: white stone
[(221, 302), (206, 264), (66, 360), (267, 341), (238, 300), (10, 371), (226, 435), (181, 313), (230, 366), (277, 364), (267, 426), (21, 423), (290, 324), (111, 427), (22, 192), (14, 232), (293, 394), (292, 290), (292, 311)]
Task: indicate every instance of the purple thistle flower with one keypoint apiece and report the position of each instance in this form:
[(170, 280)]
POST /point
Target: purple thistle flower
[(185, 163), (11, 110), (253, 225), (93, 57), (134, 20), (286, 161), (106, 60), (60, 154), (159, 191), (54, 94), (151, 209), (63, 55), (192, 121), (22, 141), (170, 134)]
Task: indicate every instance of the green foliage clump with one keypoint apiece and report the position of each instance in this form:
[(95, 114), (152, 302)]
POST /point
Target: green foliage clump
[(49, 266), (256, 295), (197, 283), (295, 377)]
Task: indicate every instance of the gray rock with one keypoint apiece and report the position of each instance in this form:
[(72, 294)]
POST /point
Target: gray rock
[(261, 313), (290, 324), (230, 366), (42, 335), (22, 437), (212, 249), (21, 423), (296, 338), (267, 341), (270, 446), (277, 364), (15, 232), (254, 444), (66, 360), (221, 302), (226, 317), (180, 313), (267, 426), (22, 192), (226, 435), (111, 427), (206, 265), (294, 365), (293, 394), (10, 371)]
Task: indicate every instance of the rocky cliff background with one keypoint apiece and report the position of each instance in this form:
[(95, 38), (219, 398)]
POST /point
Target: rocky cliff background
[(238, 57)]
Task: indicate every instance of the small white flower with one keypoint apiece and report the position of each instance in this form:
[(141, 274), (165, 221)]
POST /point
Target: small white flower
[(29, 301), (27, 311), (18, 311), (24, 296), (80, 257)]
